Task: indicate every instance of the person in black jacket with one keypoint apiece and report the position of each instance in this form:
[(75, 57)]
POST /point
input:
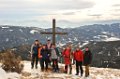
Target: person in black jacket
[(34, 54), (87, 60), (48, 47), (44, 58)]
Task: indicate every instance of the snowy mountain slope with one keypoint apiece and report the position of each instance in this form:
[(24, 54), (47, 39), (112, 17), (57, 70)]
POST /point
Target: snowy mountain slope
[(105, 54), (12, 36)]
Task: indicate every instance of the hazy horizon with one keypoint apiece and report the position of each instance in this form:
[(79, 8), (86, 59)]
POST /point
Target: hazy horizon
[(58, 26)]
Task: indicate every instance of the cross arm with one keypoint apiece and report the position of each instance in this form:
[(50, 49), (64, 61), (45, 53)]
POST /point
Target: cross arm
[(46, 33), (60, 33)]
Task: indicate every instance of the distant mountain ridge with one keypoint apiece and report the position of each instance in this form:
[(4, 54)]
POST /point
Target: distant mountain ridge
[(15, 36)]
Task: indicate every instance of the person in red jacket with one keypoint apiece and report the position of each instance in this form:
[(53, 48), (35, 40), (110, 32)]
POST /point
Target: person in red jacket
[(78, 57), (67, 59)]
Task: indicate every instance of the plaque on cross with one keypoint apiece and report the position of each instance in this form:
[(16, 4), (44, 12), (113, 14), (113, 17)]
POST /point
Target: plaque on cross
[(54, 33)]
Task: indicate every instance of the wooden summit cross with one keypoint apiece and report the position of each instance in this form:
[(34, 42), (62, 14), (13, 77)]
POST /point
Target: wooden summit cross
[(54, 33)]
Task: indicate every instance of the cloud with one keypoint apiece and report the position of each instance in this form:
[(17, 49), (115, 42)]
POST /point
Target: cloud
[(116, 5), (117, 14), (116, 10), (16, 9), (74, 4), (46, 4), (69, 13), (96, 15)]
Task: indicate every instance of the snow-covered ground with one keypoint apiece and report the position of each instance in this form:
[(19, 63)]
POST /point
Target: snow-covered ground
[(28, 73), (4, 75)]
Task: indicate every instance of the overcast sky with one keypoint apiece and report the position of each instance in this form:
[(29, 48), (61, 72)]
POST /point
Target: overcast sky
[(68, 13)]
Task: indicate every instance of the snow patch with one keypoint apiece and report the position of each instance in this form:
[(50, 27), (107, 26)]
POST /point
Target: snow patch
[(103, 36), (4, 75), (100, 52), (96, 37), (75, 39), (20, 30), (118, 54), (34, 31), (5, 27), (87, 42), (112, 39), (105, 33), (13, 76), (7, 39), (10, 30), (61, 44)]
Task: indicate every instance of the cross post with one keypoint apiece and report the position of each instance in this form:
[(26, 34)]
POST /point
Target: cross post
[(54, 33)]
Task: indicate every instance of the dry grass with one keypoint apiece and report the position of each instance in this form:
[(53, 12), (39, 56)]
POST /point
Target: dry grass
[(11, 62)]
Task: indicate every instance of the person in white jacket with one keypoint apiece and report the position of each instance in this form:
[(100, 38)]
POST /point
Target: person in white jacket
[(54, 57)]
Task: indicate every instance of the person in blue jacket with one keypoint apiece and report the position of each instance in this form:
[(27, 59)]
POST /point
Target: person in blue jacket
[(44, 58)]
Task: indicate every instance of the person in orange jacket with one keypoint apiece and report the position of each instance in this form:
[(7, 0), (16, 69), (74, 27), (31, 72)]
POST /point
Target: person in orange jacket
[(39, 54), (78, 57)]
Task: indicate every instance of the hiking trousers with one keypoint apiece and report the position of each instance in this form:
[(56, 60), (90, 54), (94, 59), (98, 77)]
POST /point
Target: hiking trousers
[(79, 67), (44, 64), (55, 64), (34, 60), (68, 69), (87, 71)]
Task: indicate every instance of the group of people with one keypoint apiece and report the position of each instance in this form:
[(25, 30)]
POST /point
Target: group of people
[(49, 53), (46, 54)]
